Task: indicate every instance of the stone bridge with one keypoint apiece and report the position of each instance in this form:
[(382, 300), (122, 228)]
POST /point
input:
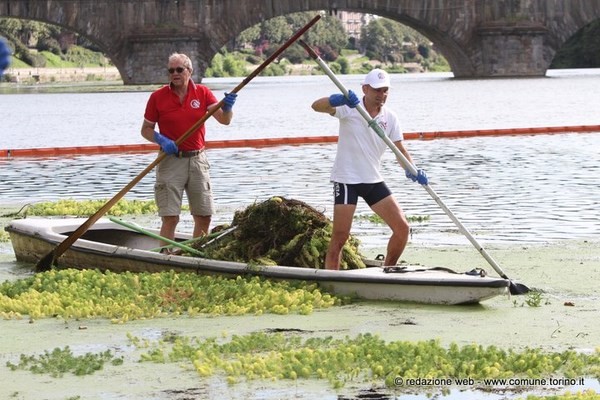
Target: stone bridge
[(479, 38)]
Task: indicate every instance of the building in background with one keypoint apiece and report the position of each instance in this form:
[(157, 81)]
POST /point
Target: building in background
[(353, 22)]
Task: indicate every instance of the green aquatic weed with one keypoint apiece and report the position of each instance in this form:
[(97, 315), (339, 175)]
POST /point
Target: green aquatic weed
[(60, 361), (534, 298), (128, 296), (89, 207), (376, 219), (364, 358)]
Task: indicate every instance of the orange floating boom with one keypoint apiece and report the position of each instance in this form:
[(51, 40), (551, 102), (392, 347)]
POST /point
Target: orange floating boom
[(290, 141)]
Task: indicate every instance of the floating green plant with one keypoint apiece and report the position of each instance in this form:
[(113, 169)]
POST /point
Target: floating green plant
[(127, 296), (4, 236), (60, 361), (376, 219), (535, 298), (89, 207), (581, 395), (365, 358)]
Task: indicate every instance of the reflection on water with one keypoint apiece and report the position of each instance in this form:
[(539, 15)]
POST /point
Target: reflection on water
[(504, 189)]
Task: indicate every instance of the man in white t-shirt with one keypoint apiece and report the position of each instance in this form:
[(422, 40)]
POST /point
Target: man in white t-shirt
[(356, 170)]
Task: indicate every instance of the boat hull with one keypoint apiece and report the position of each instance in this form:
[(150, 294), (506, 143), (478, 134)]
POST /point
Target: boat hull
[(110, 247)]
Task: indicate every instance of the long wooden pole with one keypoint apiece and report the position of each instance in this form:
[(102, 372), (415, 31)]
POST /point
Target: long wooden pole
[(48, 260)]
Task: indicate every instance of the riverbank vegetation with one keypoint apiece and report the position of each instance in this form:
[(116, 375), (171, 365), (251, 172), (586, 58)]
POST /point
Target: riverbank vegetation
[(384, 43)]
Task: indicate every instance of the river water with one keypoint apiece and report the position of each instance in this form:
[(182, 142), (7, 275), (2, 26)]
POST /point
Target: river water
[(504, 189)]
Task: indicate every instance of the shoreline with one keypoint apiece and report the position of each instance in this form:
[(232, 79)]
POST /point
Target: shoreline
[(33, 76)]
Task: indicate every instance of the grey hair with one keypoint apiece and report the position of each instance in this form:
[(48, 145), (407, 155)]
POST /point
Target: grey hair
[(183, 58)]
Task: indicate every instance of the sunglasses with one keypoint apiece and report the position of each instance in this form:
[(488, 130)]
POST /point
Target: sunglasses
[(178, 70)]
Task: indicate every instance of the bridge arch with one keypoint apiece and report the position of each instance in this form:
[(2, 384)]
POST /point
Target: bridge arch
[(479, 38)]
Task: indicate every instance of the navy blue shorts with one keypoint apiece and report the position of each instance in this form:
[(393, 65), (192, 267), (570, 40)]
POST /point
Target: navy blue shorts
[(345, 193)]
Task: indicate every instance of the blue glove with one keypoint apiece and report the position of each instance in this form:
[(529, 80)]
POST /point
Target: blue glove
[(4, 56), (421, 177), (338, 99), (167, 145), (229, 101)]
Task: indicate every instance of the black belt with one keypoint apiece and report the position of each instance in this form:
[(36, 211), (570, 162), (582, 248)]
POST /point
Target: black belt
[(188, 154)]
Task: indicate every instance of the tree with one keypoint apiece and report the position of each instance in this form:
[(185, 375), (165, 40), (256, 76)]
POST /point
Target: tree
[(344, 65), (582, 50), (276, 30), (328, 36), (382, 39)]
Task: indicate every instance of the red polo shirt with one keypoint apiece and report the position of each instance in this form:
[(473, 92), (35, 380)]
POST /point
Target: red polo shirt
[(175, 118)]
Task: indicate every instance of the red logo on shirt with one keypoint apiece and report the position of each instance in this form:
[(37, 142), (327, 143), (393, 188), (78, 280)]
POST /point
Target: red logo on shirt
[(195, 103)]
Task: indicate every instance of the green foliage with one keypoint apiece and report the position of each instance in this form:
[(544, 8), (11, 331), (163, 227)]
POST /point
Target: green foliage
[(328, 36), (436, 64), (344, 64), (225, 64), (277, 30), (84, 208), (582, 50), (60, 361), (376, 219), (374, 39), (36, 45), (234, 66), (580, 395), (391, 42), (364, 358), (55, 61), (75, 294), (280, 231), (295, 54), (335, 67), (83, 57), (534, 298), (382, 39), (275, 70)]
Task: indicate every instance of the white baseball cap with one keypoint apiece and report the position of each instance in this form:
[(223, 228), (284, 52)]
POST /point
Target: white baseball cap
[(377, 78)]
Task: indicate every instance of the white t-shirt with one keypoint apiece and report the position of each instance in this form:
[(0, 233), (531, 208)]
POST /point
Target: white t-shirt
[(359, 148)]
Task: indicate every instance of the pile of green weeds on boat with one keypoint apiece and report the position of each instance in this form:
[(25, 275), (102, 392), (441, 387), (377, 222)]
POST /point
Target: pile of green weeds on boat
[(278, 231)]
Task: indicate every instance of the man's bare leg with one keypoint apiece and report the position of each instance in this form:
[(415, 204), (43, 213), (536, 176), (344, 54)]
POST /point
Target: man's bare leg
[(342, 222), (389, 210)]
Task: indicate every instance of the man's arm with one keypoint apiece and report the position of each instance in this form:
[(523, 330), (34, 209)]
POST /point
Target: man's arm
[(225, 114), (403, 150), (322, 105), (421, 176), (328, 104), (148, 130)]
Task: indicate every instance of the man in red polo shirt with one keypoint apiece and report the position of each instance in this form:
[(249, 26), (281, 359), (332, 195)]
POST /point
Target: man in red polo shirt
[(175, 108)]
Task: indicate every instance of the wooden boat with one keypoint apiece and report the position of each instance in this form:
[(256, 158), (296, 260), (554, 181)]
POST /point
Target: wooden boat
[(110, 246)]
